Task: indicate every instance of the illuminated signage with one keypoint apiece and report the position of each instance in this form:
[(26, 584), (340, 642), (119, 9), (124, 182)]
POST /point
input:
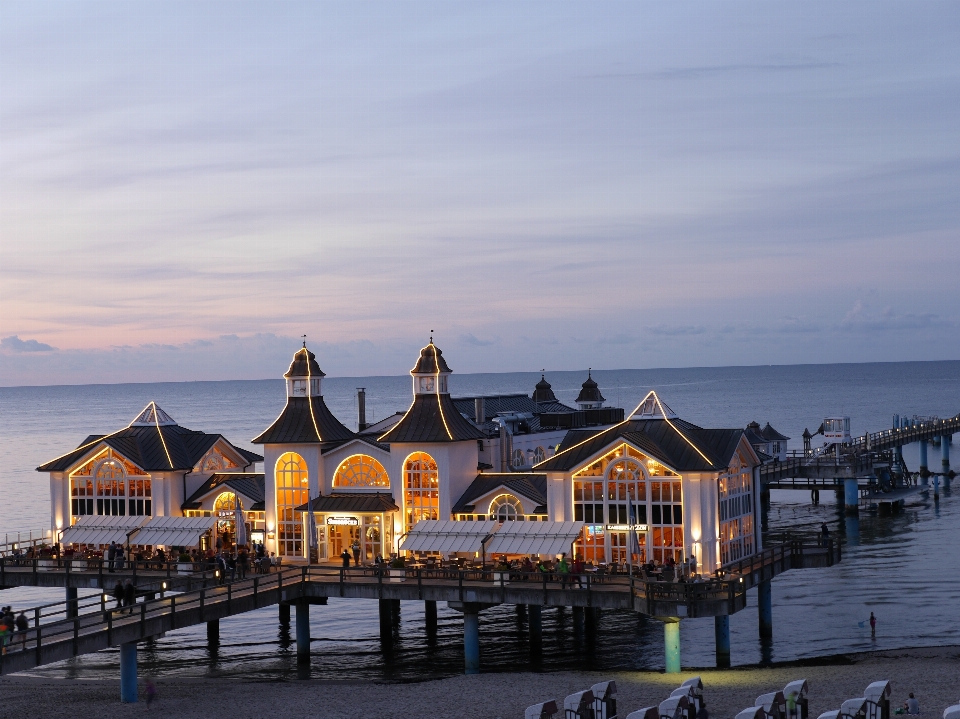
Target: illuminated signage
[(626, 527), (343, 521)]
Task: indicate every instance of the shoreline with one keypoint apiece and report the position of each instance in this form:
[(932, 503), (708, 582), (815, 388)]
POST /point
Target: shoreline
[(930, 672)]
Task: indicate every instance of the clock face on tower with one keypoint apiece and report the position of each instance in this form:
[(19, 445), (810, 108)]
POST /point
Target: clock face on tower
[(427, 384)]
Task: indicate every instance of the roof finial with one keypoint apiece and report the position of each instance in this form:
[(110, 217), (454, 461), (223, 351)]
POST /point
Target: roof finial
[(431, 336), (304, 341), (589, 370)]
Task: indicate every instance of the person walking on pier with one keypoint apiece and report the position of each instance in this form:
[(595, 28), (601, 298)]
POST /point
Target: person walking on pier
[(355, 547), (824, 535), (119, 562), (23, 624), (118, 594), (243, 561), (129, 595), (564, 570), (111, 555), (345, 556)]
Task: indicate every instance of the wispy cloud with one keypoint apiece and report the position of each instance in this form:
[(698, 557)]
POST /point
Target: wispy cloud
[(14, 344)]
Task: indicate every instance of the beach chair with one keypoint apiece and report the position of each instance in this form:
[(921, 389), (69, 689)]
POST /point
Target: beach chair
[(799, 689), (752, 713), (774, 705), (675, 708), (544, 710), (952, 712), (854, 709), (692, 704), (604, 700), (645, 713), (834, 714), (696, 691), (878, 700), (578, 705)]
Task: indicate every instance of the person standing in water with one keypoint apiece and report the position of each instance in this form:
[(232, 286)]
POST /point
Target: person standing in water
[(873, 625)]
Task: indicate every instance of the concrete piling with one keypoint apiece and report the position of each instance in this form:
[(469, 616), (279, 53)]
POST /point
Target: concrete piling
[(671, 644), (303, 633), (471, 640), (128, 673), (721, 631), (765, 609)]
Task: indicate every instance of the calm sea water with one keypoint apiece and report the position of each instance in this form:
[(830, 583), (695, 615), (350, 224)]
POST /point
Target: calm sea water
[(902, 567)]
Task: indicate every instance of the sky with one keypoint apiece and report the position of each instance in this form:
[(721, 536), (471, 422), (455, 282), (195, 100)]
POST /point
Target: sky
[(187, 188)]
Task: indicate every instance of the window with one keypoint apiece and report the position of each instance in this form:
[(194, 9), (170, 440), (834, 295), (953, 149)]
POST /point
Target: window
[(539, 455), (227, 502), (215, 461), (736, 511), (506, 508), (421, 488), (81, 496), (361, 470), (110, 485), (299, 387), (292, 491), (666, 505), (518, 458), (314, 387)]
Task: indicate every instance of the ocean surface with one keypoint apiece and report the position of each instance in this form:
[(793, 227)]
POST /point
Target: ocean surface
[(904, 568)]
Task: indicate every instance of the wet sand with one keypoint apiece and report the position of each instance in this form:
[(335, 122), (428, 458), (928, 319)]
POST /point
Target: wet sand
[(933, 674)]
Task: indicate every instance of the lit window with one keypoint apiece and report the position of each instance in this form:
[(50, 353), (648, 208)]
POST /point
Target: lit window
[(227, 502), (421, 490), (506, 508), (292, 491), (361, 470)]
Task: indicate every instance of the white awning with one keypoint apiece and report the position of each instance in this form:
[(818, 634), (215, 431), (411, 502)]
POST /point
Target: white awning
[(173, 531), (100, 529), (543, 538), (446, 536)]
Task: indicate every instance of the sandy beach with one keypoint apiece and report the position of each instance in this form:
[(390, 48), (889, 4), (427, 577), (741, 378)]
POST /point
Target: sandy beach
[(933, 674)]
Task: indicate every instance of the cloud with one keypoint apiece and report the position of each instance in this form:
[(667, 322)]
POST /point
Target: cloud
[(469, 339), (675, 330), (14, 344)]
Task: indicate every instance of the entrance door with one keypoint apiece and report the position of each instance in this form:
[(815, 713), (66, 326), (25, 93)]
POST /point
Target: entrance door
[(342, 537)]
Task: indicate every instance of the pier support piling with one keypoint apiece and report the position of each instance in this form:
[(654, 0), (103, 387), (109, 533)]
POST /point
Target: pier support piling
[(303, 633), (923, 457), (471, 639), (671, 644), (285, 614), (721, 631), (213, 632), (430, 614), (851, 496), (72, 609), (578, 620), (128, 673), (945, 454), (765, 609), (534, 611), (386, 620)]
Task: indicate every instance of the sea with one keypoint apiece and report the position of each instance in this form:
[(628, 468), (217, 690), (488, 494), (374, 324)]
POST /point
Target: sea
[(904, 567)]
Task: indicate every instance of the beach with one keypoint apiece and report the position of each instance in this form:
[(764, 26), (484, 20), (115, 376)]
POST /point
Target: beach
[(931, 673)]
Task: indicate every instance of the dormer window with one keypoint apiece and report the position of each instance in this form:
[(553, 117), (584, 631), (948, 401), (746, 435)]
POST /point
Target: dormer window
[(299, 388), (315, 387), (428, 384)]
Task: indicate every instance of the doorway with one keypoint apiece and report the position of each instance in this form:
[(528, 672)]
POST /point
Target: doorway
[(342, 537)]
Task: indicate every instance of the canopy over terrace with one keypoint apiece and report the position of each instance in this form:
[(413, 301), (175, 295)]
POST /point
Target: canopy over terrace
[(174, 531), (543, 538), (100, 529), (443, 536)]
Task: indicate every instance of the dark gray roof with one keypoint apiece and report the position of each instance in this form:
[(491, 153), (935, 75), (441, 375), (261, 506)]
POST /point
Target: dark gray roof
[(432, 418), (589, 391), (148, 447), (497, 404), (296, 424), (430, 361), (304, 365), (770, 434), (531, 486), (755, 435), (664, 441), (543, 391), (356, 502), (250, 485)]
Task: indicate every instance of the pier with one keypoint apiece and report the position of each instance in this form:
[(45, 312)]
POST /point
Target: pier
[(89, 625)]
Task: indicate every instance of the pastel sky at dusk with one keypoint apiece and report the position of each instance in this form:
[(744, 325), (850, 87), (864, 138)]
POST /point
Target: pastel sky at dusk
[(186, 188)]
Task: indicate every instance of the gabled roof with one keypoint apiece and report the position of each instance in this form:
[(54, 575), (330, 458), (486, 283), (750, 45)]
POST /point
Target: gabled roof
[(755, 435), (250, 485), (432, 418), (304, 420), (532, 486), (543, 391), (304, 364), (678, 444), (589, 391), (430, 361), (770, 434), (157, 447), (351, 502)]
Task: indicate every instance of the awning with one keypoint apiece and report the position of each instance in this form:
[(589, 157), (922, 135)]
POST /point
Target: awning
[(446, 536), (173, 531), (544, 538), (100, 529)]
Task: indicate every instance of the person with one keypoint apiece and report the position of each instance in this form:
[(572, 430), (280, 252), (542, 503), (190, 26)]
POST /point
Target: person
[(23, 624), (873, 625), (792, 705), (824, 534), (129, 595), (111, 555), (232, 566), (527, 565), (578, 569), (151, 691), (219, 543), (564, 570), (161, 558), (119, 562), (702, 712), (345, 556), (912, 706), (243, 561), (355, 547), (118, 594), (378, 560), (5, 631)]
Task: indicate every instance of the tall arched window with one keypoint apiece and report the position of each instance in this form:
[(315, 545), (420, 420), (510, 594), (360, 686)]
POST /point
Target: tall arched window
[(361, 470), (111, 485), (518, 458), (292, 491), (505, 508), (421, 485), (539, 455)]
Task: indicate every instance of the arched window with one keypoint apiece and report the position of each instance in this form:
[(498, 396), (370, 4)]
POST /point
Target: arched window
[(361, 470), (539, 455), (505, 508), (292, 491), (108, 484), (421, 488), (518, 458), (227, 502)]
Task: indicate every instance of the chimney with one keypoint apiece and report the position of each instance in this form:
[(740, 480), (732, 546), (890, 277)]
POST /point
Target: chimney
[(478, 413), (361, 408)]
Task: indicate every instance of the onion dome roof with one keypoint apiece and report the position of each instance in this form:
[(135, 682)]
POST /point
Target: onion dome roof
[(589, 391), (304, 365), (543, 391), (431, 361)]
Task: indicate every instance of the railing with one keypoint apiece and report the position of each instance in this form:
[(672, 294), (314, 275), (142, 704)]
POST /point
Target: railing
[(105, 567), (32, 538)]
